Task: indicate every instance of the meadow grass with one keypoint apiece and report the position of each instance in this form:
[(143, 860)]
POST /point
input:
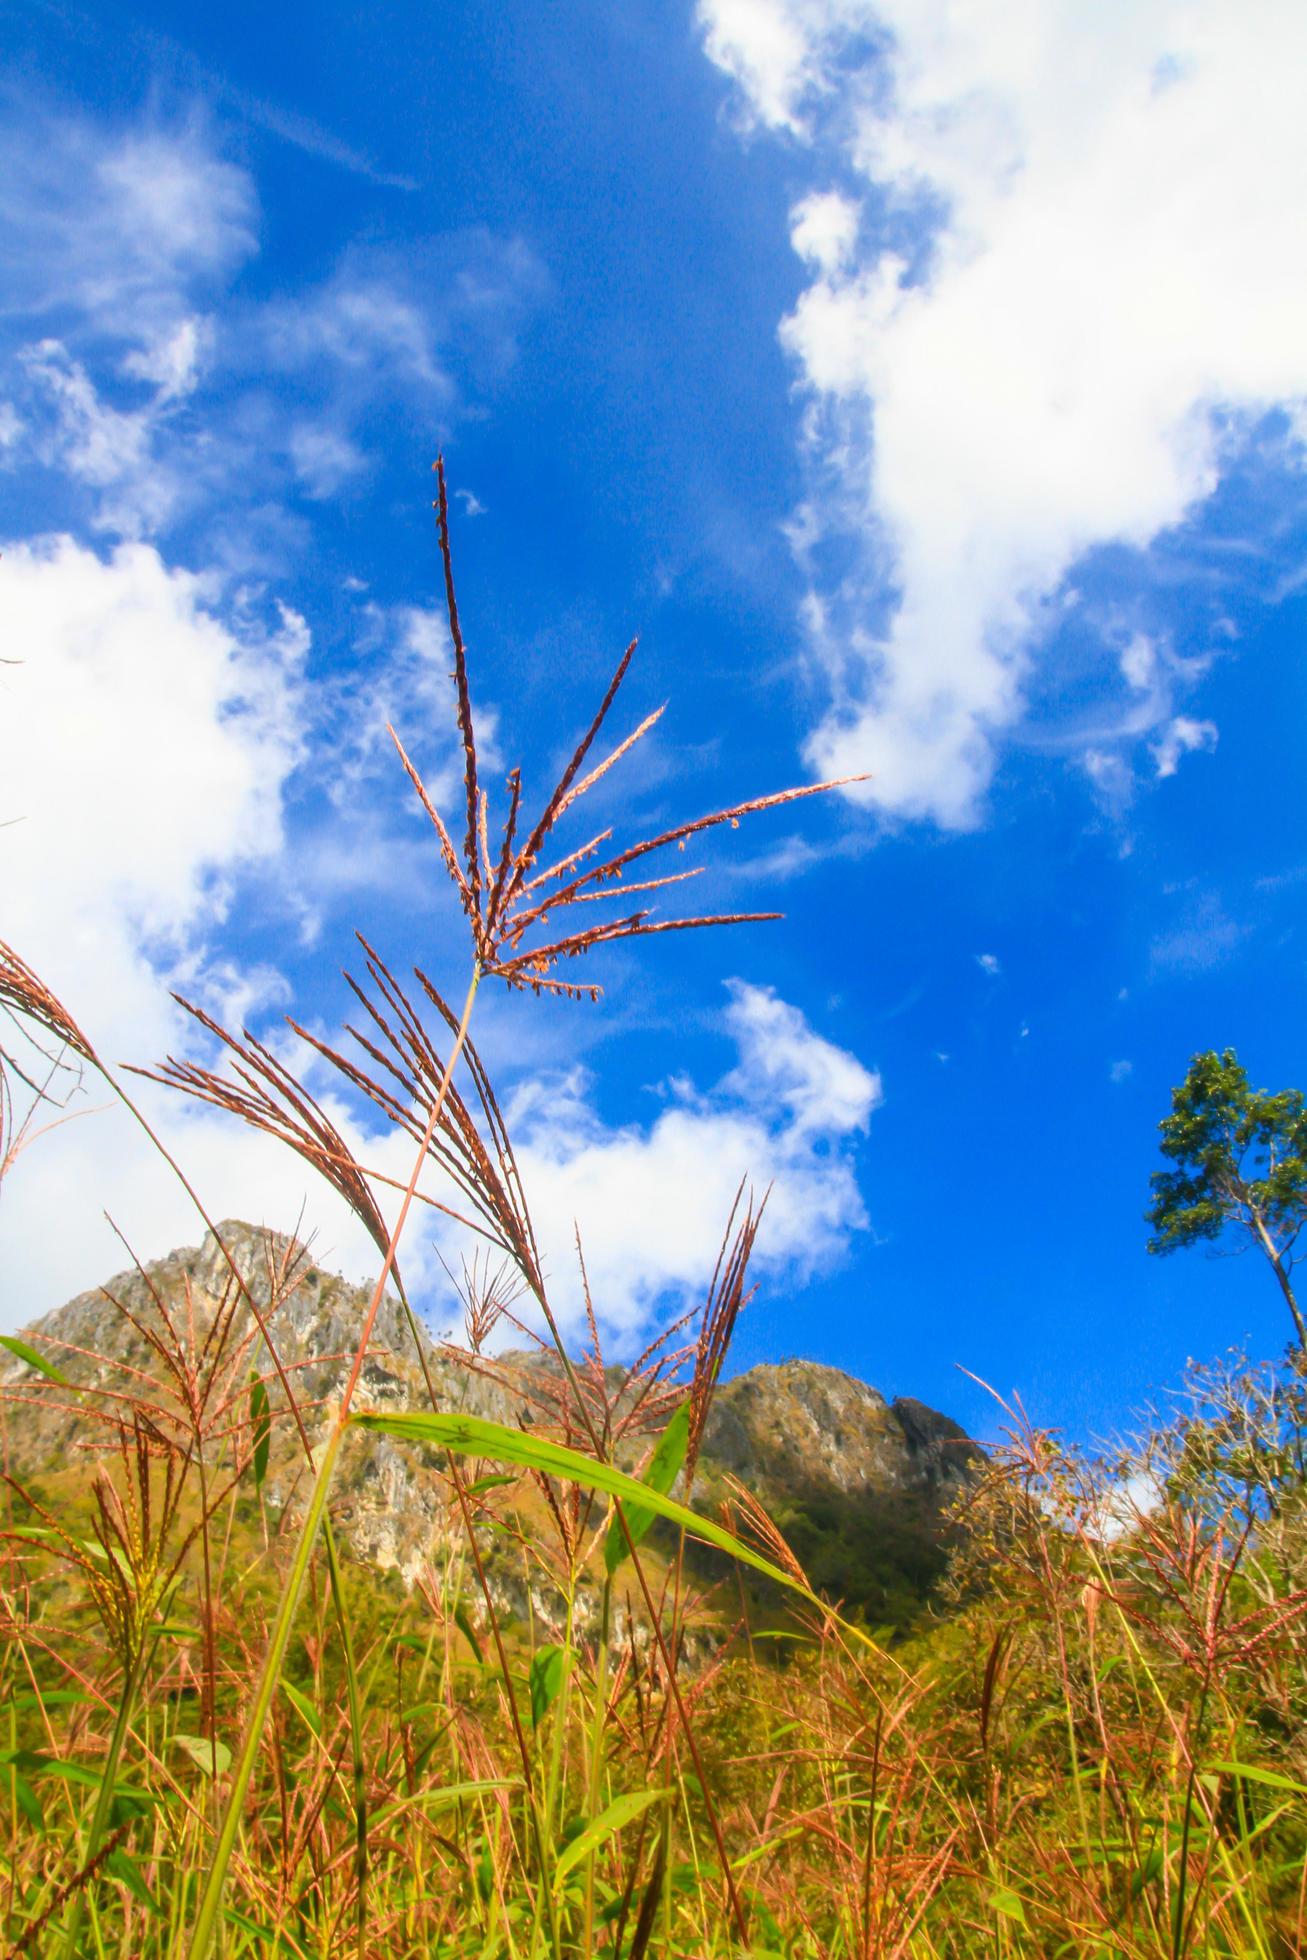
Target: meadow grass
[(226, 1736)]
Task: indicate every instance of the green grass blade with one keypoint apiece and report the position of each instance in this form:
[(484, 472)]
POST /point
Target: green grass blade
[(473, 1436), (621, 1812), (29, 1355), (668, 1462)]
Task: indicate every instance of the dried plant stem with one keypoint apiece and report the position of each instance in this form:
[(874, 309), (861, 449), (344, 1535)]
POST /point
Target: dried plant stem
[(211, 1902)]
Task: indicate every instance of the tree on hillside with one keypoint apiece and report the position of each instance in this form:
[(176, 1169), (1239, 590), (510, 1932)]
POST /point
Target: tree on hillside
[(1240, 1158)]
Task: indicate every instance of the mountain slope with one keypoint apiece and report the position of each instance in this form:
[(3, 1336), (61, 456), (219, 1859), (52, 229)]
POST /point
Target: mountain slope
[(858, 1484)]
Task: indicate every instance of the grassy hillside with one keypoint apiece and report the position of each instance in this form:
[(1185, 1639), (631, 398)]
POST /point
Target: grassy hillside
[(1094, 1742)]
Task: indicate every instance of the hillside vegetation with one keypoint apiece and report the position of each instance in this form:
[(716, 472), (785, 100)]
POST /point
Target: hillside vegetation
[(1088, 1738)]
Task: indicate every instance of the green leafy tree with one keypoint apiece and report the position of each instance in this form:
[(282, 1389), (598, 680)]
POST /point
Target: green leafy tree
[(1240, 1158)]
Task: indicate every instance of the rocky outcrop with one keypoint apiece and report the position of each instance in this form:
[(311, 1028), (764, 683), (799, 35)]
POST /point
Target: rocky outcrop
[(796, 1425), (825, 1452)]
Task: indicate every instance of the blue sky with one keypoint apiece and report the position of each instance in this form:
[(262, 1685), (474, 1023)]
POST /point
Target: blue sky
[(929, 396)]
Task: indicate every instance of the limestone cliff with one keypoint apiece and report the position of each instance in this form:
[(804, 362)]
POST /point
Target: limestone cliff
[(858, 1483)]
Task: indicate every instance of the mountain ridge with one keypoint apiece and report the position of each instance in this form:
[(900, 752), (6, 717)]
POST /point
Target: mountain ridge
[(836, 1463)]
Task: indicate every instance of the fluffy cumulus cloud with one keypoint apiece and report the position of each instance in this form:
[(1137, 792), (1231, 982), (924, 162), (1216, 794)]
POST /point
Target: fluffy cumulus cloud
[(149, 730), (143, 750), (145, 742), (651, 1199), (151, 724), (1055, 277)]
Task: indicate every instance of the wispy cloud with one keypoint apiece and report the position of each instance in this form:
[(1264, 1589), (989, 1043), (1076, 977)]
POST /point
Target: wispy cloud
[(1182, 736), (138, 365), (651, 1199), (1054, 283), (115, 230), (1204, 936), (160, 736)]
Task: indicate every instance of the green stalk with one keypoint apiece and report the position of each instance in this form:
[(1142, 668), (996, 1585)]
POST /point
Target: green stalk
[(554, 1792), (211, 1901), (593, 1804), (337, 1594), (356, 1739), (103, 1801)]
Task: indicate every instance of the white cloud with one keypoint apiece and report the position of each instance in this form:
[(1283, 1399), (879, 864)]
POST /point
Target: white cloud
[(1203, 937), (116, 227), (323, 459), (173, 360), (400, 679), (360, 322), (109, 449), (1120, 1071), (824, 230), (774, 50), (1182, 736), (143, 749), (1081, 284), (651, 1200), (144, 746), (989, 963), (123, 251)]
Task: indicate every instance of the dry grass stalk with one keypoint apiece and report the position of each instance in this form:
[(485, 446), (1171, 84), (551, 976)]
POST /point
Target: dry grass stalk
[(504, 902)]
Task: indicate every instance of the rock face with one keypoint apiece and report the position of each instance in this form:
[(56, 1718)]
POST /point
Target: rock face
[(857, 1483), (791, 1425)]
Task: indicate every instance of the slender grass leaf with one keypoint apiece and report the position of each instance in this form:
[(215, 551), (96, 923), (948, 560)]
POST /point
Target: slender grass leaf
[(303, 1707), (621, 1812), (28, 1801), (473, 1436), (32, 1763), (128, 1872), (1254, 1773), (50, 1698), (29, 1356), (666, 1466), (264, 1934), (1148, 1872), (211, 1758), (548, 1672), (445, 1798), (463, 1621), (1008, 1904), (418, 1709), (757, 1851), (261, 1427)]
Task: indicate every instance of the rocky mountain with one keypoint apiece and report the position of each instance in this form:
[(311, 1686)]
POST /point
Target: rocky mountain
[(858, 1484)]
